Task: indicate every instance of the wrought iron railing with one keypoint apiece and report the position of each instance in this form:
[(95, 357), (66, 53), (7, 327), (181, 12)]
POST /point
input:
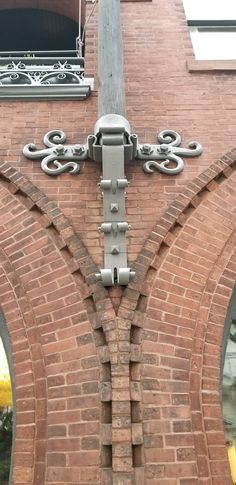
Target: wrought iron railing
[(43, 74)]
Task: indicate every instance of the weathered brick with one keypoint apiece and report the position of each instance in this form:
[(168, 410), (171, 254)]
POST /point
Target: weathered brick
[(181, 265)]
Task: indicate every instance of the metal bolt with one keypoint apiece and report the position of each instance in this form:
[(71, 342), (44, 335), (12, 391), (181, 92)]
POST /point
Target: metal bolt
[(78, 150), (60, 150), (114, 208), (146, 149), (164, 148), (115, 250)]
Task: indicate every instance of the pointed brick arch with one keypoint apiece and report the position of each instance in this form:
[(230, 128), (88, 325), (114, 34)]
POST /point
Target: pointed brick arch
[(205, 370), (29, 457), (151, 316), (50, 312), (186, 273), (176, 215)]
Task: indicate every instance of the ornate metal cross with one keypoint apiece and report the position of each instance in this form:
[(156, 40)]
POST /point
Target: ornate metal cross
[(112, 144)]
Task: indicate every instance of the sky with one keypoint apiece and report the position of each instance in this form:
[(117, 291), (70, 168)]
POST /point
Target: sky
[(3, 360)]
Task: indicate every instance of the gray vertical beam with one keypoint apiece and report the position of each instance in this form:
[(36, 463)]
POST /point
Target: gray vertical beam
[(111, 96)]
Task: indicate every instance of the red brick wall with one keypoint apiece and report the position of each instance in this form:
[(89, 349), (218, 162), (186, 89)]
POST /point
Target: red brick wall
[(55, 361), (130, 393), (182, 338)]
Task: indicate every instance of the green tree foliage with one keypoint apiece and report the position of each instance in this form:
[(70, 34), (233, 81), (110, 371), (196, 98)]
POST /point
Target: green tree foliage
[(5, 444), (5, 425)]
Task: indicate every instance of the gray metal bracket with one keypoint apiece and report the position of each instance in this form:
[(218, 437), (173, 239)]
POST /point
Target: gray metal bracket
[(55, 153), (166, 157), (112, 144)]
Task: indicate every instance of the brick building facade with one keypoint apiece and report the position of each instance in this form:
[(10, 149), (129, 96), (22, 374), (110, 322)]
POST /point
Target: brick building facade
[(122, 385)]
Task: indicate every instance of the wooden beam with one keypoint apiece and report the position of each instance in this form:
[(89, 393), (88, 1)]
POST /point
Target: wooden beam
[(111, 93)]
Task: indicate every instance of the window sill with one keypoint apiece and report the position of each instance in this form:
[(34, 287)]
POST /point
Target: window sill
[(211, 66), (47, 92), (43, 75)]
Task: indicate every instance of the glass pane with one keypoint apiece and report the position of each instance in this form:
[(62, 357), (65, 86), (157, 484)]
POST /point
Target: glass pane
[(210, 9), (5, 418), (213, 45), (229, 399)]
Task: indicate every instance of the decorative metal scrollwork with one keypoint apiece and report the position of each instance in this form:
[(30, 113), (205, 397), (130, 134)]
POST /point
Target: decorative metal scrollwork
[(168, 152), (113, 145), (40, 74), (43, 75), (55, 153), (165, 157)]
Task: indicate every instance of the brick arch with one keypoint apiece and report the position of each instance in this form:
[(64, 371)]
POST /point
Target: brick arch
[(50, 269), (165, 232), (217, 181), (60, 230), (205, 370), (132, 309), (166, 228), (29, 456), (189, 294), (80, 264)]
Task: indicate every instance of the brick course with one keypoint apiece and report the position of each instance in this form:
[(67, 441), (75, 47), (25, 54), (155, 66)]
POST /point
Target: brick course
[(122, 386)]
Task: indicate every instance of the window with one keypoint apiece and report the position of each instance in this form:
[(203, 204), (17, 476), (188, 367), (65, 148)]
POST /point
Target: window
[(212, 28), (39, 57)]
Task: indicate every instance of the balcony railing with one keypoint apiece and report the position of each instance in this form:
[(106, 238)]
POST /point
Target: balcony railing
[(43, 75)]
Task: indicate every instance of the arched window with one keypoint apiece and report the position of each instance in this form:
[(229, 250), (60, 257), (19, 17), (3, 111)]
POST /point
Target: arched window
[(7, 408), (41, 54), (31, 29), (228, 389)]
